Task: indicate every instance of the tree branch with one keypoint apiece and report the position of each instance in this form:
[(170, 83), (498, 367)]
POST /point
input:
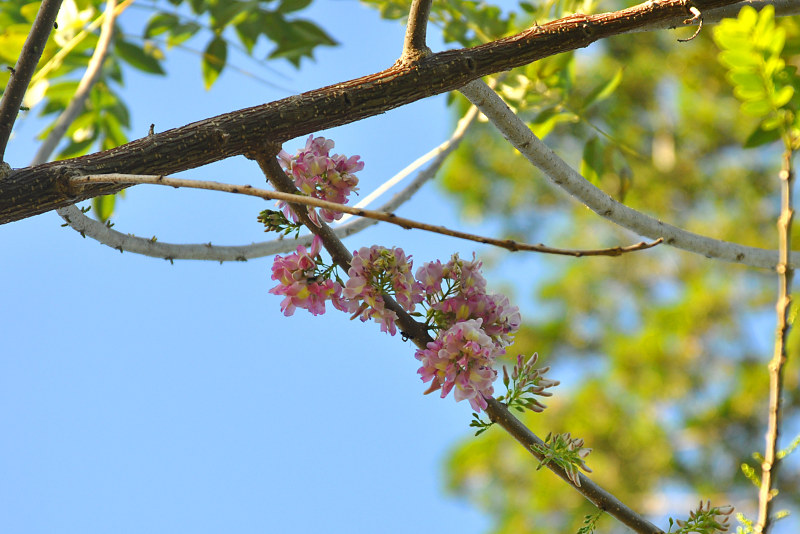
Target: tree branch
[(418, 333), (498, 413), (34, 190), (93, 71), (23, 70), (561, 174), (771, 460), (302, 200), (414, 46), (125, 242)]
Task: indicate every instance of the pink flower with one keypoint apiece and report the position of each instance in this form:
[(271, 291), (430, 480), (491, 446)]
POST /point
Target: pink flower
[(302, 286), (376, 271), (456, 291), (461, 359), (319, 175)]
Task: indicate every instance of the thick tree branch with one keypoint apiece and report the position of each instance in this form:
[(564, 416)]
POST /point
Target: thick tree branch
[(561, 174), (23, 70), (34, 190)]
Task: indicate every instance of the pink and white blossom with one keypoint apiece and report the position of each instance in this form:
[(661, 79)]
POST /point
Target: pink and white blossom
[(300, 283), (319, 175), (460, 360), (376, 271)]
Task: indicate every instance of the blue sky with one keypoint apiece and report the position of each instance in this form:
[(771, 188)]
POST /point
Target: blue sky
[(139, 396)]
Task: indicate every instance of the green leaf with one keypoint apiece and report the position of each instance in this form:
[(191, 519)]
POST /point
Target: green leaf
[(747, 82), (161, 23), (545, 121), (287, 6), (740, 59), (757, 108), (603, 91), (182, 32), (731, 37), (214, 60), (783, 96), (592, 163), (138, 58), (76, 148), (103, 206), (762, 136)]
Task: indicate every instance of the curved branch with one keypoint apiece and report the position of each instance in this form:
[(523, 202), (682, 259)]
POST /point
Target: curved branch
[(102, 233), (561, 174), (23, 70)]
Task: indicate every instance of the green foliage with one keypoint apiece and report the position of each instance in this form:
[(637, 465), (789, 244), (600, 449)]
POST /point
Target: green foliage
[(703, 520), (566, 452), (276, 221), (590, 523), (752, 47)]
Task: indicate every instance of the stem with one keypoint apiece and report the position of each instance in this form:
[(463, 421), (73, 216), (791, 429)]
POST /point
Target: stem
[(301, 200), (771, 460), (23, 70), (414, 46)]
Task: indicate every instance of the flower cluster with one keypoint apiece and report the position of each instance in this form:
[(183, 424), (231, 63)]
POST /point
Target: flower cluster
[(303, 284), (459, 308), (377, 271), (461, 359), (319, 175), (472, 326)]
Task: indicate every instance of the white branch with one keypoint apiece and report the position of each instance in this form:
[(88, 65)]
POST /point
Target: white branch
[(100, 232), (565, 177)]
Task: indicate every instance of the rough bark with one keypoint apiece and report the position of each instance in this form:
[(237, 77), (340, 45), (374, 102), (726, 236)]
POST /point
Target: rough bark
[(33, 190)]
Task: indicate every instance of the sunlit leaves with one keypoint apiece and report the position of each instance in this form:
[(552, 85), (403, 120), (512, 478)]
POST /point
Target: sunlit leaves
[(141, 58), (751, 49), (214, 59), (292, 38)]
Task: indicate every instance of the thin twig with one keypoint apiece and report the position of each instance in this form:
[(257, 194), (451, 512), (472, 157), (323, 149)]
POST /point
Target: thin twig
[(23, 70), (414, 45), (125, 242), (93, 71), (508, 244), (558, 172), (498, 413), (776, 366)]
